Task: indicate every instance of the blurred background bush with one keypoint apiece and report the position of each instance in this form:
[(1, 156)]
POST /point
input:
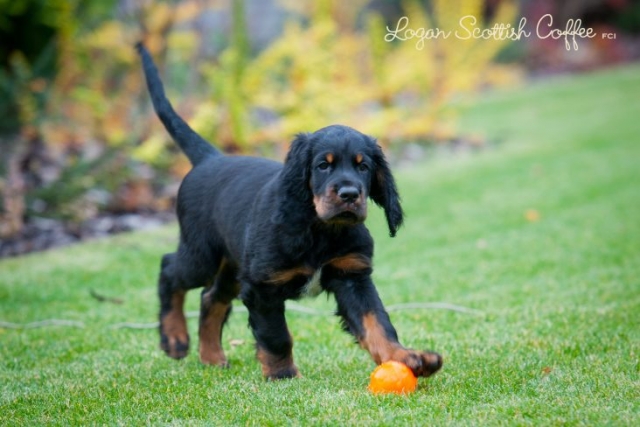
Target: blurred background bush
[(83, 154)]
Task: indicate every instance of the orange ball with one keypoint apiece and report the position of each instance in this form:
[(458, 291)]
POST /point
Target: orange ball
[(392, 377)]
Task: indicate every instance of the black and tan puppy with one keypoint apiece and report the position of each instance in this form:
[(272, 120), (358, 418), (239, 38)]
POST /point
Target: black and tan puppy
[(269, 232)]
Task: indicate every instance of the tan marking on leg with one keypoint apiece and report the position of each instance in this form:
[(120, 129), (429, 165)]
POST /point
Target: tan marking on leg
[(210, 334), (382, 350), (375, 340), (174, 324)]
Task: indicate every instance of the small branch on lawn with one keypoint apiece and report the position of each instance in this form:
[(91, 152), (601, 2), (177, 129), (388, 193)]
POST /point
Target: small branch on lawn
[(434, 305), (41, 324), (130, 325), (103, 298)]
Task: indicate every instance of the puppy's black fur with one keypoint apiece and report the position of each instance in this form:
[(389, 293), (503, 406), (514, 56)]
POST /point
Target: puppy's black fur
[(268, 232)]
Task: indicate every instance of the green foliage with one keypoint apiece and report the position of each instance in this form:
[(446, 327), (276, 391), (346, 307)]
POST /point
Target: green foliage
[(330, 71), (51, 90), (35, 39), (62, 198), (557, 343), (28, 57)]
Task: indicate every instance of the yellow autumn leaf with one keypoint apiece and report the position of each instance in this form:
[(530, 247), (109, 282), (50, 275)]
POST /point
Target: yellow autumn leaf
[(108, 36), (159, 16), (183, 43), (150, 149), (532, 215), (204, 119)]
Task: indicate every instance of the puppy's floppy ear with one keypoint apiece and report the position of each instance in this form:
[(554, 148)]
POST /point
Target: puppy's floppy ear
[(384, 192), (297, 169)]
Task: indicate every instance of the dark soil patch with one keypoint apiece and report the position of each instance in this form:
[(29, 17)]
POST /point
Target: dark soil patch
[(40, 234)]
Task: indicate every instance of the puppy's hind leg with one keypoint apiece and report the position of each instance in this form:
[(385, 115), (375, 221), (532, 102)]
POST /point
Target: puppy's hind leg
[(215, 308), (174, 338), (180, 272)]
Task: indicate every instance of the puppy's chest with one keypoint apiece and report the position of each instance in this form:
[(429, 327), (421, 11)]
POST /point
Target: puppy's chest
[(297, 282), (307, 281)]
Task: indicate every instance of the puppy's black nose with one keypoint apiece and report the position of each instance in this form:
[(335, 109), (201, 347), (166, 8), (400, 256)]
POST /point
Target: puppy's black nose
[(348, 194)]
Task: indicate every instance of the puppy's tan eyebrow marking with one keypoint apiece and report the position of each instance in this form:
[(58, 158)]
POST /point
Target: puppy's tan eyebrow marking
[(330, 158), (359, 158)]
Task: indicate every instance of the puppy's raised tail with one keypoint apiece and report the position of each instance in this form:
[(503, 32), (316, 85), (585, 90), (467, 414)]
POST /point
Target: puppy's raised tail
[(193, 145)]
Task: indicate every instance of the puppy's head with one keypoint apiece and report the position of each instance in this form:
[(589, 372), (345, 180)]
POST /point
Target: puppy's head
[(338, 168)]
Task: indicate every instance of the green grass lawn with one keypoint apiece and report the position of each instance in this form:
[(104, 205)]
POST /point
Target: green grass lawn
[(555, 339)]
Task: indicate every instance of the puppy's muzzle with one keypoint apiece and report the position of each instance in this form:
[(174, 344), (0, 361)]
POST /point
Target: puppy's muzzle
[(345, 204)]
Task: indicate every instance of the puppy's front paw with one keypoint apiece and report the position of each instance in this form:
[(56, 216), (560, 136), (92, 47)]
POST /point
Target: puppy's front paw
[(277, 367), (283, 374), (423, 364)]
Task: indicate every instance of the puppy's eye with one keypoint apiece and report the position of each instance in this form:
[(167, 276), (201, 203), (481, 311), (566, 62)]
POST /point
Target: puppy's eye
[(363, 167), (323, 166)]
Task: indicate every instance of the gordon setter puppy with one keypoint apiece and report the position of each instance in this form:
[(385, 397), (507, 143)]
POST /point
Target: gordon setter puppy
[(269, 232)]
